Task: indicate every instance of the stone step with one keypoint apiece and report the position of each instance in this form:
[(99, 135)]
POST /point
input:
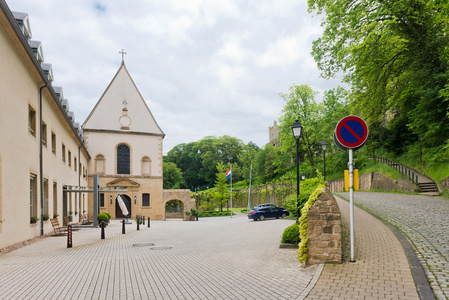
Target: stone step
[(428, 187)]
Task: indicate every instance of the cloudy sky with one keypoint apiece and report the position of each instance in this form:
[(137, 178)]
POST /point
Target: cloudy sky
[(204, 67)]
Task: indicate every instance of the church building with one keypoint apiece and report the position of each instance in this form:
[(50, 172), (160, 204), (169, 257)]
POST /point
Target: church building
[(125, 142)]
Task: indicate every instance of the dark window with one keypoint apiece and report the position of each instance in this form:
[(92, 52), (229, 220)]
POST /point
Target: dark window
[(123, 159), (101, 200), (145, 199)]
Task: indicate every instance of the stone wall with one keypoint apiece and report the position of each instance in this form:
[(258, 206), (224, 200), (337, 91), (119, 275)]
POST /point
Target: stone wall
[(336, 185), (365, 181), (374, 180), (445, 183), (324, 230), (385, 183)]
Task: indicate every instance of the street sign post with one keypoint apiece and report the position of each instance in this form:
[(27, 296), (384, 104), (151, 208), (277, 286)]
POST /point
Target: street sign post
[(351, 134)]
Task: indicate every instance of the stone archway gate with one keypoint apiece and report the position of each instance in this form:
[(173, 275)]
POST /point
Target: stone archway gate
[(181, 195)]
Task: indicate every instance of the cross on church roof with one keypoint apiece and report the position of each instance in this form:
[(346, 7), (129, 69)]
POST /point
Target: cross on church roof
[(123, 55)]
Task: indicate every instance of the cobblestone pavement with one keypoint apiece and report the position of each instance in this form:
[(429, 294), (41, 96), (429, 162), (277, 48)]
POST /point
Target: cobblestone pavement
[(380, 271), (214, 258), (425, 221)]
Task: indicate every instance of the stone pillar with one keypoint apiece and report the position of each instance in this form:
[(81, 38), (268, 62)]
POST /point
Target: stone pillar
[(324, 230)]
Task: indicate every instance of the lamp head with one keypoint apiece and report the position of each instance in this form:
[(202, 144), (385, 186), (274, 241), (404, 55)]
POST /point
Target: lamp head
[(297, 129), (324, 145)]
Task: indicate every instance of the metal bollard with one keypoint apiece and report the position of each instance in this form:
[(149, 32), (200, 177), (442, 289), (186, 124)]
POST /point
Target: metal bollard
[(69, 236), (123, 226), (138, 223), (143, 219), (148, 222), (102, 230)]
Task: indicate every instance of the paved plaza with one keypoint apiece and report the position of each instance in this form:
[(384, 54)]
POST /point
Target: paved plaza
[(214, 258), (235, 258), (425, 221)]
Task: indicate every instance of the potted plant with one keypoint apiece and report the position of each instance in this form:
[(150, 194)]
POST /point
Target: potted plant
[(34, 220), (194, 213), (76, 212), (103, 218), (45, 217), (70, 215), (55, 215)]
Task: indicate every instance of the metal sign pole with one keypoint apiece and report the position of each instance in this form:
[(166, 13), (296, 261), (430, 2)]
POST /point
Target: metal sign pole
[(351, 201)]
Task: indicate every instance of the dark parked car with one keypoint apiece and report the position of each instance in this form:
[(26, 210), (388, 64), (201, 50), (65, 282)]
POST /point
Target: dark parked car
[(262, 213)]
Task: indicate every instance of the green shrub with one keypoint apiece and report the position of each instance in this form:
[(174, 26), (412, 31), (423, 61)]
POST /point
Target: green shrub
[(290, 204), (103, 217), (291, 235), (109, 215)]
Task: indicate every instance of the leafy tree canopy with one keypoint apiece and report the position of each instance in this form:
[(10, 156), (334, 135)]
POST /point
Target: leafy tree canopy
[(394, 56)]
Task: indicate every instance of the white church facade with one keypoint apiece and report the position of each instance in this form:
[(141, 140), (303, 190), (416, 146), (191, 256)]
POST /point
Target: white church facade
[(45, 154), (125, 142)]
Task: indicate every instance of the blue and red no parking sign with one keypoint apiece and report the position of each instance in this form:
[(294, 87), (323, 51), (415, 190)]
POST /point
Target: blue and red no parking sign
[(351, 132)]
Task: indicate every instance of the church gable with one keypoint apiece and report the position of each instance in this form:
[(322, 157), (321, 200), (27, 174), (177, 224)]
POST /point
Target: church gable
[(122, 108), (123, 182)]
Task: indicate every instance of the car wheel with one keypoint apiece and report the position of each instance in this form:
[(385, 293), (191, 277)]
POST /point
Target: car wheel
[(262, 217), (284, 215)]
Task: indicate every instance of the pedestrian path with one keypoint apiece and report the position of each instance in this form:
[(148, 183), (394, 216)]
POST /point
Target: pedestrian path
[(424, 220), (381, 269), (214, 258)]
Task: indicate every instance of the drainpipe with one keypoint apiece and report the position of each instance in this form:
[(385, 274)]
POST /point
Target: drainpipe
[(41, 167), (79, 179)]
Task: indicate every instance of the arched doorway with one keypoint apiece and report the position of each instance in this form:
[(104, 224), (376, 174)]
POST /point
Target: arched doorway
[(174, 209), (118, 210)]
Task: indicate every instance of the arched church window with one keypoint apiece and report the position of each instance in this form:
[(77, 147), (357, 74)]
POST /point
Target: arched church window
[(123, 159), (146, 166), (99, 164)]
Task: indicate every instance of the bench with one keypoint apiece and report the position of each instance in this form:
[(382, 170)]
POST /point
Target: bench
[(67, 221), (85, 220), (59, 230)]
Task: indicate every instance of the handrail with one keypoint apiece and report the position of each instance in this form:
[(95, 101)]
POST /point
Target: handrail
[(404, 170)]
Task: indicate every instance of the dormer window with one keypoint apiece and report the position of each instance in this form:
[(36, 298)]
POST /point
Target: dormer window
[(36, 47), (24, 24), (48, 71), (58, 92)]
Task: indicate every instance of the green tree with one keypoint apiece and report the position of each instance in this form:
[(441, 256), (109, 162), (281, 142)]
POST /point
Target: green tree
[(394, 56), (172, 178), (222, 193), (300, 104)]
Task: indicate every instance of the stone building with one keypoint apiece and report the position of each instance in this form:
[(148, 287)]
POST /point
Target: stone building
[(46, 158), (36, 162), (125, 142), (273, 132)]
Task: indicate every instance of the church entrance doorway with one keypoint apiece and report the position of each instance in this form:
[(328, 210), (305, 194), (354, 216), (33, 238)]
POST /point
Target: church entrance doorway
[(118, 210), (174, 209)]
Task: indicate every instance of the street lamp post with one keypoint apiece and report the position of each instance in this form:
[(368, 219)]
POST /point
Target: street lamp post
[(297, 130), (324, 146)]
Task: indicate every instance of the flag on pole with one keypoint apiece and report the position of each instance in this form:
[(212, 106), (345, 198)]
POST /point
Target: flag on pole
[(228, 173), (251, 172)]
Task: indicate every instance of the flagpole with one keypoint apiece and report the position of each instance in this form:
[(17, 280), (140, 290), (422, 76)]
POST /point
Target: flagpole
[(231, 190), (249, 191)]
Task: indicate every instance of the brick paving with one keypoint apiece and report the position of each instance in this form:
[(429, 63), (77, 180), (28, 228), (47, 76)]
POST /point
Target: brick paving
[(381, 270), (425, 222), (214, 258)]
